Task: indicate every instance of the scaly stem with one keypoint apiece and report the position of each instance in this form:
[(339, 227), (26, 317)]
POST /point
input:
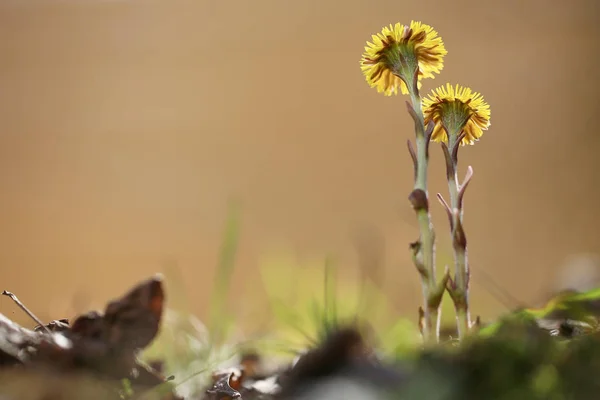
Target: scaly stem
[(460, 290), (460, 260), (426, 248)]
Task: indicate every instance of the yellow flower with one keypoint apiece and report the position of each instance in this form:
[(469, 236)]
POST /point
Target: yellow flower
[(390, 62), (454, 110)]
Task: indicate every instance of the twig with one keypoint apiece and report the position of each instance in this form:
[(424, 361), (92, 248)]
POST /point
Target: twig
[(22, 306)]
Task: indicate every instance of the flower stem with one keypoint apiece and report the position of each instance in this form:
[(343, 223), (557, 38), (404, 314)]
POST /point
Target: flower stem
[(460, 287), (426, 245)]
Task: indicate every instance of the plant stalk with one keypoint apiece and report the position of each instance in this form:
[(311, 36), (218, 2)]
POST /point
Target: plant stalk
[(460, 290), (426, 245)]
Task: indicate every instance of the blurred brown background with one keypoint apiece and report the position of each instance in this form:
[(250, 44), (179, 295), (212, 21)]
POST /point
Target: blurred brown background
[(125, 127)]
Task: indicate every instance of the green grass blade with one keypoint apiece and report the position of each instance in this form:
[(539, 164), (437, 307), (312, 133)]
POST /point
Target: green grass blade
[(225, 268)]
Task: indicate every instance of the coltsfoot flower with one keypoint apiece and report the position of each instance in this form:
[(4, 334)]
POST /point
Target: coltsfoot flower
[(392, 59), (455, 110)]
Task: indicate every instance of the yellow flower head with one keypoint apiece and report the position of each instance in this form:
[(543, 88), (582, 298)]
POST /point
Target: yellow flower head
[(454, 110), (398, 52)]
